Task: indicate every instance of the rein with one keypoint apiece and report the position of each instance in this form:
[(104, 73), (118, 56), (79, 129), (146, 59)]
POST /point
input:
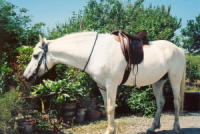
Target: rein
[(91, 53)]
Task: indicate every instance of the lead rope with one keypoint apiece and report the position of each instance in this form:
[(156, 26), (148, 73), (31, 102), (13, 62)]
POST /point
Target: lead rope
[(90, 53)]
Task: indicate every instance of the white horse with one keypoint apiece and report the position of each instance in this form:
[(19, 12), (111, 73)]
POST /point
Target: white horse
[(106, 65)]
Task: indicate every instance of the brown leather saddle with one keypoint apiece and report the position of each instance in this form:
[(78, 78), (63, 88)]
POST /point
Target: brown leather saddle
[(132, 49)]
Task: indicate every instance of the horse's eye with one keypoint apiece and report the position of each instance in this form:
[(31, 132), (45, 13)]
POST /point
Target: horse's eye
[(35, 56)]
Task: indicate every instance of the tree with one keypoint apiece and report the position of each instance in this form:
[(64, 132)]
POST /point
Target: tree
[(191, 42), (157, 20), (109, 15), (15, 30)]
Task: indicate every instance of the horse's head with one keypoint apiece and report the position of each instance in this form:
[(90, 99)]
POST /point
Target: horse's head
[(40, 62)]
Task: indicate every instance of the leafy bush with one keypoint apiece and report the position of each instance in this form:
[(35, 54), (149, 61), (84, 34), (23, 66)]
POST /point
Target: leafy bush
[(18, 66), (109, 15), (4, 73), (193, 68), (124, 93), (24, 54), (76, 76), (142, 100), (16, 30), (9, 104), (62, 90)]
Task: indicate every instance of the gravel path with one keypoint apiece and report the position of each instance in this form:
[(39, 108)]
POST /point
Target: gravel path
[(189, 122)]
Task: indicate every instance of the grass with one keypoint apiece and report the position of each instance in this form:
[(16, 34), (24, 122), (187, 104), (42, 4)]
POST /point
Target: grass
[(99, 127), (87, 128), (193, 87)]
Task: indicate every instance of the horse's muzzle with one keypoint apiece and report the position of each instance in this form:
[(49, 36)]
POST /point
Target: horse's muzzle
[(30, 79)]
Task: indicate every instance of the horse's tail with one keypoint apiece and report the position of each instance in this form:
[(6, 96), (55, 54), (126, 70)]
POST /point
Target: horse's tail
[(182, 90)]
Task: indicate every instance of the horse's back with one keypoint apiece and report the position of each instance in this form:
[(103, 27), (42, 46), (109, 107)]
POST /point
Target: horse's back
[(166, 45), (174, 55)]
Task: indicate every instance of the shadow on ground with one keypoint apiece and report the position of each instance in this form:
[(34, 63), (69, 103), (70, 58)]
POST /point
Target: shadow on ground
[(182, 131)]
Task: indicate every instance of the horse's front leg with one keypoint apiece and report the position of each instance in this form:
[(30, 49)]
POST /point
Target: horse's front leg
[(111, 89)]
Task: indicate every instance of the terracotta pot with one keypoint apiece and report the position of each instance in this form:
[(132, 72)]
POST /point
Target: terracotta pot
[(26, 126), (68, 111), (91, 103), (80, 115), (31, 103), (93, 115), (68, 105)]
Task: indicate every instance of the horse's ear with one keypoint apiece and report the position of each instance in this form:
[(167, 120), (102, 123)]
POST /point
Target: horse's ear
[(41, 39)]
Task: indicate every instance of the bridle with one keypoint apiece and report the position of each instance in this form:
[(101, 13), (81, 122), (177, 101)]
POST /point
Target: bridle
[(43, 57)]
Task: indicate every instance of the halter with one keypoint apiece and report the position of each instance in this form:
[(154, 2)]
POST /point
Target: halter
[(35, 73)]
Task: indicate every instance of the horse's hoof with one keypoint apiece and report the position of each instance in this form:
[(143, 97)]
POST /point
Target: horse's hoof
[(112, 131), (176, 131), (150, 132)]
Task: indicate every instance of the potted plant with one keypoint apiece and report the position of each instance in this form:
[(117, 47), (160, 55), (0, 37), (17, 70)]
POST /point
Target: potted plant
[(93, 113), (63, 93), (25, 121), (80, 110)]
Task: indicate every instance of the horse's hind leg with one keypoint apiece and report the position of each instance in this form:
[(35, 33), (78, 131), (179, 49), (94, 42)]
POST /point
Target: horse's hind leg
[(175, 83), (160, 101)]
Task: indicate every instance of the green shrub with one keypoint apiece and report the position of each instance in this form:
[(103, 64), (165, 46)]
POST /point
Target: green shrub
[(24, 54), (142, 101), (9, 104), (4, 74), (77, 77), (19, 65), (63, 90), (193, 68)]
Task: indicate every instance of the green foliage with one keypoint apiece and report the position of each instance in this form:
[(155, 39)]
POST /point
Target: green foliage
[(77, 77), (19, 65), (193, 68), (15, 30), (192, 35), (24, 54), (142, 100), (4, 74), (157, 20), (124, 93), (9, 103), (63, 90), (109, 15)]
